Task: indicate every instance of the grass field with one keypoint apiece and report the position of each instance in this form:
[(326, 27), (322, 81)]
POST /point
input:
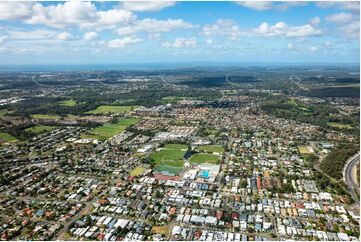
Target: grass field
[(202, 158), (339, 126), (137, 171), (210, 148), (160, 230), (304, 150), (170, 158), (67, 103), (40, 128), (45, 116), (104, 109), (5, 137), (109, 130)]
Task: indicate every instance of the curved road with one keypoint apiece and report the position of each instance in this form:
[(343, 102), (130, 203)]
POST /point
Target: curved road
[(350, 177)]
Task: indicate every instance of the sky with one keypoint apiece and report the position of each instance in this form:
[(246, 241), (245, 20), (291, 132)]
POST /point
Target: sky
[(79, 32)]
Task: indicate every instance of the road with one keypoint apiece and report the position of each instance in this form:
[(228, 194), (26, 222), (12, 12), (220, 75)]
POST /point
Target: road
[(350, 177)]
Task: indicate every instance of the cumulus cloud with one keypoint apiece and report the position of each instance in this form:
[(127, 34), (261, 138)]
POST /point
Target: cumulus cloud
[(120, 43), (71, 13), (90, 35), (153, 26), (346, 5), (233, 31), (147, 5), (348, 25), (11, 10), (38, 34), (340, 18), (267, 5), (64, 36), (180, 43)]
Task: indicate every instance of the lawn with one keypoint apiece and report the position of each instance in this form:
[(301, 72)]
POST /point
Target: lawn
[(104, 109), (67, 103), (210, 148), (204, 158), (137, 171), (5, 137), (303, 149), (170, 158), (45, 116), (109, 130), (40, 128), (339, 125)]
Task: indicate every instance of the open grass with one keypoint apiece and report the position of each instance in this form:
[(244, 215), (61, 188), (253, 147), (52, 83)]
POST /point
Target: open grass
[(160, 230), (45, 116), (137, 171), (170, 158), (67, 103), (40, 128), (104, 109), (109, 130), (204, 158), (304, 150), (339, 125), (5, 137), (210, 148)]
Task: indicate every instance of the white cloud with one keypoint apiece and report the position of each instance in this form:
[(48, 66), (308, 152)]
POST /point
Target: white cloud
[(348, 25), (256, 5), (340, 18), (351, 30), (315, 21), (67, 14), (290, 46), (120, 43), (64, 36), (346, 5), (153, 26), (147, 5), (267, 5), (90, 35), (233, 31), (180, 43), (11, 10), (38, 34)]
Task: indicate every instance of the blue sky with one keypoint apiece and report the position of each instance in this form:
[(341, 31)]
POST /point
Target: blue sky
[(145, 32)]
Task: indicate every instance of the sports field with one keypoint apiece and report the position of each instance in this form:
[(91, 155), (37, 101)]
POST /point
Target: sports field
[(5, 137), (170, 158), (210, 149), (137, 171), (109, 130), (40, 128), (204, 158), (104, 109)]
